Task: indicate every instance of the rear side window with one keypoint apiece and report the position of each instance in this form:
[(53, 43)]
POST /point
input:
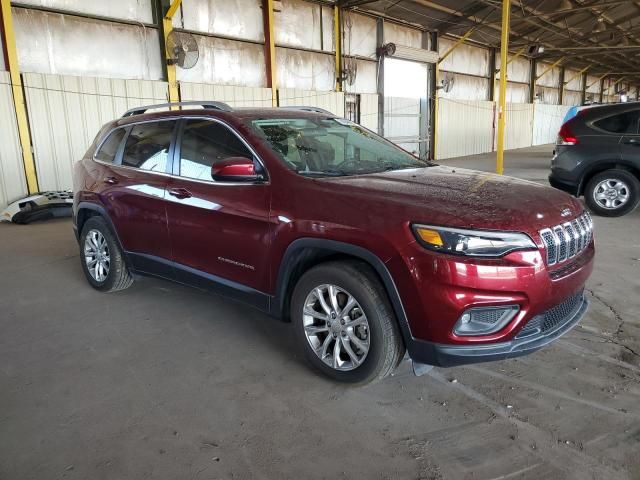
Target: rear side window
[(622, 123), (147, 146), (204, 143), (107, 151)]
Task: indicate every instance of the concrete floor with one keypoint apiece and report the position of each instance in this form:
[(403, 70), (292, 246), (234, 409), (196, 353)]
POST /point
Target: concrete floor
[(165, 382)]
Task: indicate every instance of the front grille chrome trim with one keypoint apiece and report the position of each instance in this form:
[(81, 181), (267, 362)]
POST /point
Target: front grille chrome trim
[(563, 242)]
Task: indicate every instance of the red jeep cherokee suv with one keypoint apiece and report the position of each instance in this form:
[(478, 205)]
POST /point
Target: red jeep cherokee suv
[(312, 218)]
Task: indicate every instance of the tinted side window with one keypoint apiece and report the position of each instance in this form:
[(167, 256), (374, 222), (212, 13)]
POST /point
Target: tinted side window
[(109, 148), (622, 123), (147, 146), (204, 143)]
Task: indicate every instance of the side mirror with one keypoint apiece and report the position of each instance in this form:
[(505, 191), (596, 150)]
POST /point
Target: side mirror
[(235, 169)]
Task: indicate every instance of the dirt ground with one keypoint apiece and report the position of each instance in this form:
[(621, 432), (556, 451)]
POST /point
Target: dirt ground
[(165, 382)]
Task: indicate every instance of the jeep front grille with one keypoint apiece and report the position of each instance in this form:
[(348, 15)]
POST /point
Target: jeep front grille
[(565, 241)]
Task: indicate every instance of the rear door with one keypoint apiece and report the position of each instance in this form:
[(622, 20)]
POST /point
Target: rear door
[(630, 141), (615, 134), (136, 197), (219, 230)]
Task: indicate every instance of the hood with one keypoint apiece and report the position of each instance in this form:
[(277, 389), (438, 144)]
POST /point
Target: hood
[(462, 198)]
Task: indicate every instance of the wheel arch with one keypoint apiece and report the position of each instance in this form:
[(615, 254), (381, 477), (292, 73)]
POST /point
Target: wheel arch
[(305, 253), (86, 210), (600, 167)]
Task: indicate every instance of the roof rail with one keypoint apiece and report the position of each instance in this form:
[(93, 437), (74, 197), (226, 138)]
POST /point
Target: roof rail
[(210, 105), (308, 109)]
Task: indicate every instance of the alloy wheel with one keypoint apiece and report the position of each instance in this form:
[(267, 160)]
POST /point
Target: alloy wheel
[(611, 193), (336, 327), (96, 255)]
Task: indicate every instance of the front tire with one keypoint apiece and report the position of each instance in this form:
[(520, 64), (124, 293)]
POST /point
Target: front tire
[(612, 193), (101, 258), (344, 323)]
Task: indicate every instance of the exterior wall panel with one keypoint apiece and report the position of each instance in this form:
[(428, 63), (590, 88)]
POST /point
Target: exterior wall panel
[(65, 114), (547, 120), (67, 45), (464, 128), (233, 95), (240, 19), (332, 101), (12, 180), (519, 128), (369, 111)]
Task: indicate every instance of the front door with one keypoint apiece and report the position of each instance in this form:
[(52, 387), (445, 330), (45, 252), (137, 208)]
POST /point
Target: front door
[(219, 230)]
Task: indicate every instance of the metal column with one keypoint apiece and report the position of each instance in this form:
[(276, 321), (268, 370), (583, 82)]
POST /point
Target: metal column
[(167, 27), (337, 35), (24, 134), (502, 104), (270, 50), (380, 80)]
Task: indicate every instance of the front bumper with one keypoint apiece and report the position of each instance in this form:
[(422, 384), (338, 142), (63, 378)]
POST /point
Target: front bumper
[(443, 355)]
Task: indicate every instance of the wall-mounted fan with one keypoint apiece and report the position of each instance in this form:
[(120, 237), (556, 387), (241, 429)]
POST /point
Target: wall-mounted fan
[(182, 49), (446, 84)]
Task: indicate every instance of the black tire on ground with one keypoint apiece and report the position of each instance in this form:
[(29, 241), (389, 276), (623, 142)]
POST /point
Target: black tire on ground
[(118, 277), (633, 186), (386, 348)]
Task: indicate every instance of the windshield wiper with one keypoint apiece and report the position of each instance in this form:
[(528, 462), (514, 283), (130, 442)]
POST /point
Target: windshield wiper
[(325, 173)]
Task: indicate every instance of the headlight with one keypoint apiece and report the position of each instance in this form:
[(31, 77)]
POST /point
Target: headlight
[(477, 243)]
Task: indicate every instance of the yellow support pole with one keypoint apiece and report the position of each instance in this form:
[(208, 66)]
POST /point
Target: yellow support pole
[(270, 49), (504, 51), (459, 42), (18, 97), (436, 107), (167, 27), (549, 68), (337, 34)]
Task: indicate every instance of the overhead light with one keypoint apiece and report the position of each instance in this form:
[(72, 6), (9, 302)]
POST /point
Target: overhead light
[(535, 49)]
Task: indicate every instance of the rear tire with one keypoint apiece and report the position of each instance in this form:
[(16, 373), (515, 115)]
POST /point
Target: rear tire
[(354, 314), (101, 258), (612, 193)]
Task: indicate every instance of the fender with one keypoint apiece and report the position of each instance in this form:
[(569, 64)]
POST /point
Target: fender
[(294, 255), (103, 213), (601, 166)]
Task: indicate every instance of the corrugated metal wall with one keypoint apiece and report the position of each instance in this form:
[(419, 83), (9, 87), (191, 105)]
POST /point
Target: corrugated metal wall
[(369, 111), (234, 96), (519, 130), (12, 182), (66, 112), (465, 127), (332, 101), (547, 120)]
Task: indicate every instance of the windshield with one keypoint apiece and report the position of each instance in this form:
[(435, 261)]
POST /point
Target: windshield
[(332, 146)]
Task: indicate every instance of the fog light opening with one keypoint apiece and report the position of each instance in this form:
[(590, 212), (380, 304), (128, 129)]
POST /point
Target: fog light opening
[(484, 320)]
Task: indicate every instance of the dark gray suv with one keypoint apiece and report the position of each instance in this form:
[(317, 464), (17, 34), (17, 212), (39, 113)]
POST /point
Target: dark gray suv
[(598, 155)]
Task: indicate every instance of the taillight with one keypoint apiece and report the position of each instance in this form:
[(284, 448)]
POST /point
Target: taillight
[(566, 135)]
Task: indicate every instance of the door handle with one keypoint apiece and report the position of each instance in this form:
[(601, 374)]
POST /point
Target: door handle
[(180, 193), (110, 180)]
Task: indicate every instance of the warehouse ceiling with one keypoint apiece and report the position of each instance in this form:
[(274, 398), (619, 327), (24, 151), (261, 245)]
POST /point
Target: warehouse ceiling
[(603, 34)]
